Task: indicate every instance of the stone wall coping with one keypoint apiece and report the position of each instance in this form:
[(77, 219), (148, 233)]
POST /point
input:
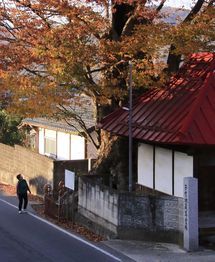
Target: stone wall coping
[(32, 152), (94, 181)]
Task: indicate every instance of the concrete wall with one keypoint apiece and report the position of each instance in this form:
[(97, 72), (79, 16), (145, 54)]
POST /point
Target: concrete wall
[(98, 204), (131, 216), (37, 169)]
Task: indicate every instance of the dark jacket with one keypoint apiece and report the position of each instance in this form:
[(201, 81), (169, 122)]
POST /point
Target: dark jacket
[(22, 187)]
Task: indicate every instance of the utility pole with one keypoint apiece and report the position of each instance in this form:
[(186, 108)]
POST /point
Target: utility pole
[(130, 185)]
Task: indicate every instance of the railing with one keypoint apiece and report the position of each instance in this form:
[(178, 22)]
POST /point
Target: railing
[(64, 207)]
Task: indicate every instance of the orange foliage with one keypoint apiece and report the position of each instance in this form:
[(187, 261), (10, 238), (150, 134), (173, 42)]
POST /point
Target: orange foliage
[(50, 47)]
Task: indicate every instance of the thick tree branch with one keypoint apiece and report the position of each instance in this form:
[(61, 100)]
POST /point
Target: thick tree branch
[(160, 6), (70, 114), (35, 11), (211, 3), (40, 73), (129, 26), (174, 60), (132, 20), (88, 25)]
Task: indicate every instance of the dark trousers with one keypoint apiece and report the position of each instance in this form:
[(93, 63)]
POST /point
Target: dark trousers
[(23, 196)]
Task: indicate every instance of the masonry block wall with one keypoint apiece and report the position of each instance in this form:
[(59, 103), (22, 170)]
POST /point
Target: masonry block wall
[(151, 217), (37, 169), (130, 215)]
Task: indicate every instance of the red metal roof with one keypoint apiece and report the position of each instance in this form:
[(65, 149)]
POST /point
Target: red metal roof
[(181, 113)]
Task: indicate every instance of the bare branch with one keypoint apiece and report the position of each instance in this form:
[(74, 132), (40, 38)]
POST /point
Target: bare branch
[(88, 25), (132, 20), (129, 25), (194, 11), (160, 6), (35, 11), (36, 72), (211, 3), (174, 60), (84, 131)]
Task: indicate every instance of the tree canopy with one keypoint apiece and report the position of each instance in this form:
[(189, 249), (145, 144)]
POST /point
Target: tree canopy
[(51, 49), (9, 133)]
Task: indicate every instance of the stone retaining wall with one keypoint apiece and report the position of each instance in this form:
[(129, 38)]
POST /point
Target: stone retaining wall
[(129, 215)]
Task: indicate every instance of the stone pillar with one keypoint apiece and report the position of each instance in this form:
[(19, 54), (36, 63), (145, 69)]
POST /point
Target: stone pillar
[(191, 225)]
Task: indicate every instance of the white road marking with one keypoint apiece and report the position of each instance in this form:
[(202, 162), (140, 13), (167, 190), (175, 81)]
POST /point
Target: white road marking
[(66, 232)]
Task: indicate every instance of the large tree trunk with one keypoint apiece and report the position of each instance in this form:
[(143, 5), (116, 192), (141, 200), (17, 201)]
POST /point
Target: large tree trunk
[(173, 61), (112, 162)]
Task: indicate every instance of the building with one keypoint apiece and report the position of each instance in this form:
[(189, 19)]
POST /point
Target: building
[(63, 139), (175, 127)]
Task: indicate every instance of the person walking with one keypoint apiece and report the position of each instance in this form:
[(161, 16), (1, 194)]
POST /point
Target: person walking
[(22, 189)]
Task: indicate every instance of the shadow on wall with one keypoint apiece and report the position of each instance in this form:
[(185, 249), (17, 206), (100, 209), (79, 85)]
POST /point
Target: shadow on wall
[(37, 185), (80, 167)]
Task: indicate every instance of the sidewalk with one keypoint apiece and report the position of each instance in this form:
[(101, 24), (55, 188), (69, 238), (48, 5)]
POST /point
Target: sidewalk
[(140, 251)]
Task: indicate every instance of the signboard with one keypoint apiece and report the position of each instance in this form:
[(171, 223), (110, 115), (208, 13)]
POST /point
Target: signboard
[(185, 207), (69, 179), (191, 227)]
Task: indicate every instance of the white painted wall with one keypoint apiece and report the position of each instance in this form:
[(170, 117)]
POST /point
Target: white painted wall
[(163, 170), (77, 147), (183, 168), (145, 165), (41, 141), (50, 133), (69, 147), (50, 143), (63, 146)]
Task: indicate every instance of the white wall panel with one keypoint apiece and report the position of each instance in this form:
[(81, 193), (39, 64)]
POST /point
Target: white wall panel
[(41, 141), (63, 146), (145, 165), (163, 170), (77, 147), (50, 143), (50, 133), (183, 168)]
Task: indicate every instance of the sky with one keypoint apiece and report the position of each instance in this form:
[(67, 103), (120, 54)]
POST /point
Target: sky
[(180, 3), (175, 3)]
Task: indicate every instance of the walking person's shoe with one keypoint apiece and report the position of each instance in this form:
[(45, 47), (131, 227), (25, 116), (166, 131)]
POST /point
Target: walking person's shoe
[(24, 210), (20, 212)]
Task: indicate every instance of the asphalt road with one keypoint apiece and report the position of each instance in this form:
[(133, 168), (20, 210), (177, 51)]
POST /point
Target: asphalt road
[(26, 238)]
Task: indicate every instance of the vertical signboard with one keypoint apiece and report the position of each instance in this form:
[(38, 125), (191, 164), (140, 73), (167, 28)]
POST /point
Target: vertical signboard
[(70, 179), (191, 227)]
